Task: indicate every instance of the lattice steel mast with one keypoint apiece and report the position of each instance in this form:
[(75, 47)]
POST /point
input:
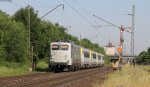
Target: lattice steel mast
[(132, 31)]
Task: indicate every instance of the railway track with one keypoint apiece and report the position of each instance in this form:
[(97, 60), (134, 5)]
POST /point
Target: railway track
[(55, 79)]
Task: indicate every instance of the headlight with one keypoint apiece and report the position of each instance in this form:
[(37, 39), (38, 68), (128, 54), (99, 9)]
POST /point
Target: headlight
[(51, 57)]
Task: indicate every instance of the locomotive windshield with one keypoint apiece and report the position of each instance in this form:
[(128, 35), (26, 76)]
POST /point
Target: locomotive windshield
[(64, 47), (55, 47), (60, 47)]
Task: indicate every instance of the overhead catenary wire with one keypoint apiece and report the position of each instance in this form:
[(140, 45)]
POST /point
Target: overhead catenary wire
[(81, 7), (41, 4), (106, 21), (78, 13), (52, 10), (15, 4), (88, 13), (94, 21), (111, 23)]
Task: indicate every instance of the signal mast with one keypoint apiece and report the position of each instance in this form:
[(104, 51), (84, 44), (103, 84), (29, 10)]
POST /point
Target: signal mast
[(118, 61)]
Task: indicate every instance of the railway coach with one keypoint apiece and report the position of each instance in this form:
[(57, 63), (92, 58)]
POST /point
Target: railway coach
[(66, 56)]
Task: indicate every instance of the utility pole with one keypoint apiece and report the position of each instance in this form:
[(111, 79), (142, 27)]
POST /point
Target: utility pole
[(80, 39), (28, 37), (132, 33)]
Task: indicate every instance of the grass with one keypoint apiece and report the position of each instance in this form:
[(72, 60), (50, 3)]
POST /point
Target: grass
[(41, 66), (16, 69), (6, 71), (129, 76)]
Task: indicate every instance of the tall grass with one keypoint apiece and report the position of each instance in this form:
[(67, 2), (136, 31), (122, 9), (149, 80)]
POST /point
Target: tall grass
[(129, 76), (42, 66), (13, 71)]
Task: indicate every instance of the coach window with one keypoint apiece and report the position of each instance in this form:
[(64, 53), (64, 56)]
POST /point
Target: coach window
[(64, 47), (94, 56), (99, 57), (86, 54), (55, 47)]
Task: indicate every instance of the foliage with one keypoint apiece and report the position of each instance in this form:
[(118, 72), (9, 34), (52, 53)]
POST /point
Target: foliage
[(144, 57), (12, 40), (107, 59)]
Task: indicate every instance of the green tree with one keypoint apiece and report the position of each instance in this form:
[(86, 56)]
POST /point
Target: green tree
[(144, 57), (12, 39)]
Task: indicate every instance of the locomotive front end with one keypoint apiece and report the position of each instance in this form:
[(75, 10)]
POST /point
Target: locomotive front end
[(60, 55)]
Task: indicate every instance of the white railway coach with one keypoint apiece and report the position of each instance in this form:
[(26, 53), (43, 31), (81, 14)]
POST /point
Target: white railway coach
[(100, 59), (93, 59), (64, 56), (85, 58)]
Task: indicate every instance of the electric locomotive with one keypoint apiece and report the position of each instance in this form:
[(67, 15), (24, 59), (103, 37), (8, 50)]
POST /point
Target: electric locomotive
[(66, 56)]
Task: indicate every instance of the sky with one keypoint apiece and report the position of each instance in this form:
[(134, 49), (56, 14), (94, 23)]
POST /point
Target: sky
[(77, 16)]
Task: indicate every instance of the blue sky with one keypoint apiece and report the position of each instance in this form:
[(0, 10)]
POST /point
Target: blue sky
[(82, 21)]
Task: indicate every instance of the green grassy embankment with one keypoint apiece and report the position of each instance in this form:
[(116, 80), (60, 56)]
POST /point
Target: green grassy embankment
[(21, 69), (129, 76), (42, 66), (13, 71)]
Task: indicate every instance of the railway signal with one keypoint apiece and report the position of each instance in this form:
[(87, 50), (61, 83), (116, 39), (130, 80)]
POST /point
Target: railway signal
[(116, 62)]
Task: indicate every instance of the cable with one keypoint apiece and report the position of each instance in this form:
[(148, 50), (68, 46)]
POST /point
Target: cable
[(52, 10), (78, 13), (82, 8), (39, 4), (15, 4)]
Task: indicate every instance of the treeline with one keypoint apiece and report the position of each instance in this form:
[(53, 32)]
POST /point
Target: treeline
[(14, 32), (144, 57)]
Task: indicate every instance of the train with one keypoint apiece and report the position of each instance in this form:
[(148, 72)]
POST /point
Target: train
[(67, 56)]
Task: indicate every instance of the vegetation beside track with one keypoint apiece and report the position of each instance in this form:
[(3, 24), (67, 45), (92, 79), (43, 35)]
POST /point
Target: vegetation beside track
[(144, 57), (13, 71), (129, 76), (16, 69), (42, 65)]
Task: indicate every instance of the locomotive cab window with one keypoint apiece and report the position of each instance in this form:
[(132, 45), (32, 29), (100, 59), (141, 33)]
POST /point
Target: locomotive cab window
[(55, 47), (64, 47)]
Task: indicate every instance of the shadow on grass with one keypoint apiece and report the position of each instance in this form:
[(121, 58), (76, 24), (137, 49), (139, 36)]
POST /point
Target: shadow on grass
[(38, 69)]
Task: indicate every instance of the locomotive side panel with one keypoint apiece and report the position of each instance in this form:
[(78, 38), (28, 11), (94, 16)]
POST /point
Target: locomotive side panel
[(75, 56)]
